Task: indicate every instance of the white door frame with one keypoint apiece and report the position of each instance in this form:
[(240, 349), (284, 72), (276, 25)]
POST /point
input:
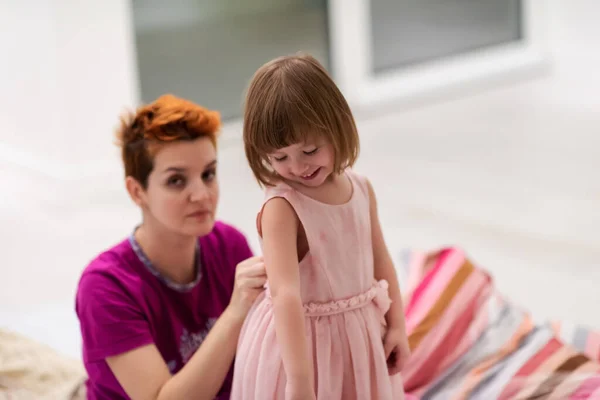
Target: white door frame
[(351, 58)]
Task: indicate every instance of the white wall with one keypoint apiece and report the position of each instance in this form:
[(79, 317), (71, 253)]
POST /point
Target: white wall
[(67, 73), (574, 41), (573, 30)]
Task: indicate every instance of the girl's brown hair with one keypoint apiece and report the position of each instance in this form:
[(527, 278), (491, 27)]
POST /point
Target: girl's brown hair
[(167, 119), (290, 99)]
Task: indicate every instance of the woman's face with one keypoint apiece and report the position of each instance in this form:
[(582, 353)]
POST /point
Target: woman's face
[(183, 191)]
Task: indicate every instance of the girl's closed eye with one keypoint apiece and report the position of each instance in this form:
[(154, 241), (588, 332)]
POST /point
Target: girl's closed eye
[(280, 158), (311, 152)]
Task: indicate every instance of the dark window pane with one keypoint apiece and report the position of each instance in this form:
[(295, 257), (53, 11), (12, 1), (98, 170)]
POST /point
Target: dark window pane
[(408, 32), (207, 51)]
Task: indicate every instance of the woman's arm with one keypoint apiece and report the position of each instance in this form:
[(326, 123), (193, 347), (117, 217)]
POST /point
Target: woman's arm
[(143, 373), (384, 269), (279, 226)]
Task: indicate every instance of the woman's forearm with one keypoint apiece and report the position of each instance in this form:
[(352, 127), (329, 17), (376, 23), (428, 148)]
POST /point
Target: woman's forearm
[(291, 336), (204, 373)]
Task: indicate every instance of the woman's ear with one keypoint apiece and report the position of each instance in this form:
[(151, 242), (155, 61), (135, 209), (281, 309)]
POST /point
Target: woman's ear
[(135, 190)]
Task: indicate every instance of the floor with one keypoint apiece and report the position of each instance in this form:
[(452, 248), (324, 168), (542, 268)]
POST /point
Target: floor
[(510, 174)]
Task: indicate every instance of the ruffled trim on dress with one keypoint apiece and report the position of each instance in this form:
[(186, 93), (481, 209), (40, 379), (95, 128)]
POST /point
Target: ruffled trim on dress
[(378, 294)]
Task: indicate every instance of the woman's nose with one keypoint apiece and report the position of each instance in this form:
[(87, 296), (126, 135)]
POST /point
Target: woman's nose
[(199, 192)]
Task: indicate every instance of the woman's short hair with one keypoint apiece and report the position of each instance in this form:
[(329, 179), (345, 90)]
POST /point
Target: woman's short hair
[(167, 119)]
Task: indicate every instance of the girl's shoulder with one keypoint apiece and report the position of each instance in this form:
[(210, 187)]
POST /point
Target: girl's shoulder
[(278, 189), (282, 190), (359, 181)]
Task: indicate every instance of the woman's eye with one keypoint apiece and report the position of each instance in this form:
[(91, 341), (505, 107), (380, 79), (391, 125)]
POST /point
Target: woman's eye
[(176, 181), (209, 175), (279, 159), (310, 153)]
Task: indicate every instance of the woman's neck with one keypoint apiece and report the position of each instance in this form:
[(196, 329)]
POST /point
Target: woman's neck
[(173, 255)]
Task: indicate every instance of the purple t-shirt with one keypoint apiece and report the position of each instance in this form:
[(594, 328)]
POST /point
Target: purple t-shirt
[(123, 303)]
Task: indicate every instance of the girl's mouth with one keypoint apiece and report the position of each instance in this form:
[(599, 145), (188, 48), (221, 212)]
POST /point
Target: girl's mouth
[(311, 176)]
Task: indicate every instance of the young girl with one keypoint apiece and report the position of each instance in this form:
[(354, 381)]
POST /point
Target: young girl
[(325, 328)]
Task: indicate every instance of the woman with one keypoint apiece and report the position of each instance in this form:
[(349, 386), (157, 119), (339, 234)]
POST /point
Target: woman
[(161, 311)]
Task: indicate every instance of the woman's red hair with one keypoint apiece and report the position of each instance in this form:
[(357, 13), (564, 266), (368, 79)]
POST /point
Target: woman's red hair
[(167, 119)]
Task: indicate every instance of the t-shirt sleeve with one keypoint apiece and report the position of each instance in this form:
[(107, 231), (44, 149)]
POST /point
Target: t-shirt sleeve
[(243, 250), (110, 320), (235, 247)]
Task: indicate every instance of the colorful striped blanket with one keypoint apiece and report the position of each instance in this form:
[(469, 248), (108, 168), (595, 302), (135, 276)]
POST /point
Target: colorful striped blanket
[(469, 342)]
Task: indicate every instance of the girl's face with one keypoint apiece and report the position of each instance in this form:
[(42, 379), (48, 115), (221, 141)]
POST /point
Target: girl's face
[(183, 191), (308, 163)]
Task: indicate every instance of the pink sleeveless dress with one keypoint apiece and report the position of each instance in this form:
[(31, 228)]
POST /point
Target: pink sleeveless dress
[(343, 304)]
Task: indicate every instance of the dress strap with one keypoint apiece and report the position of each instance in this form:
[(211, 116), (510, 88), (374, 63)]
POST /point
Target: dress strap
[(281, 190), (359, 182)]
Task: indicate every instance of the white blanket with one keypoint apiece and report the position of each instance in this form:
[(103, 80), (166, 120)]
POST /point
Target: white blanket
[(31, 370)]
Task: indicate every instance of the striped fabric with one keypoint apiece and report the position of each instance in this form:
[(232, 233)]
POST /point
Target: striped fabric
[(469, 342)]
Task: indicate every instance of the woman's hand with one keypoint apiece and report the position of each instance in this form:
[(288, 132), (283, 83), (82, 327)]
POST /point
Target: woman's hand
[(143, 373), (397, 350), (250, 279)]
